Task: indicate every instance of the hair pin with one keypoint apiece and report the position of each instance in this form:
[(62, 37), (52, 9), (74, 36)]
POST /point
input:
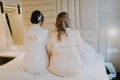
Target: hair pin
[(39, 17)]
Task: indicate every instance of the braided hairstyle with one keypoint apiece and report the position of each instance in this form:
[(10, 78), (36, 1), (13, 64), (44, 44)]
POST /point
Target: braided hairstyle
[(62, 22)]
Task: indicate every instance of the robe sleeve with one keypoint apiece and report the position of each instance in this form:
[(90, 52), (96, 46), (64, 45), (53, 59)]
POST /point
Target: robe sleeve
[(49, 43), (79, 42)]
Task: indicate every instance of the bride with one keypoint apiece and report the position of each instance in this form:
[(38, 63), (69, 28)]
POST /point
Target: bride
[(63, 48)]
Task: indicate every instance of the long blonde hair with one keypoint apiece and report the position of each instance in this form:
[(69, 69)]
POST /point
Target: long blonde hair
[(62, 22)]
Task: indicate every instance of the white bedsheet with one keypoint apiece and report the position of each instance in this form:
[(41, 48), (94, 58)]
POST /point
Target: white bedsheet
[(92, 70)]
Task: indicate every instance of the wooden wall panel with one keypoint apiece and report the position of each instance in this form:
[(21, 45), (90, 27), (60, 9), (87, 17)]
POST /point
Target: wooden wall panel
[(90, 36), (71, 12), (88, 21), (64, 6), (47, 7), (34, 2), (77, 14), (39, 7)]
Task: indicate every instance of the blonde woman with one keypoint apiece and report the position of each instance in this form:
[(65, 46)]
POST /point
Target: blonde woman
[(64, 48)]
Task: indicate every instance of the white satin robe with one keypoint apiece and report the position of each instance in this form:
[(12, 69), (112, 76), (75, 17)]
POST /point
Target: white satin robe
[(65, 54), (36, 59)]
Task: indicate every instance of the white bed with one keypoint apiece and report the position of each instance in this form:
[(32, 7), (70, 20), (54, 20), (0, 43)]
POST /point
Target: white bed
[(93, 69)]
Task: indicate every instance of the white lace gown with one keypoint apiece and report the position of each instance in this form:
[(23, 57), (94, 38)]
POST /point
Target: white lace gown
[(36, 59), (65, 57)]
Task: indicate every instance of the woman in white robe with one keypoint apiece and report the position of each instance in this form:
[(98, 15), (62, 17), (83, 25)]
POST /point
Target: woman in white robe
[(36, 59), (63, 46)]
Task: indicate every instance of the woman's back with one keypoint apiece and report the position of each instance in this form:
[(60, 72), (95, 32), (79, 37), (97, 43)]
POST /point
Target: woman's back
[(65, 59), (35, 59), (67, 45)]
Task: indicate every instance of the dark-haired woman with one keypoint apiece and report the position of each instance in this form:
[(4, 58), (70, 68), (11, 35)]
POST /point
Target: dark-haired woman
[(63, 47), (36, 59)]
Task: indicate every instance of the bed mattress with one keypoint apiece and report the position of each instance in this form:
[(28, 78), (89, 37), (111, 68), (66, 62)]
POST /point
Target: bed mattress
[(92, 70)]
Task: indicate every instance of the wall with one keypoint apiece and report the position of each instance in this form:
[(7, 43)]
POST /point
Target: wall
[(109, 13), (47, 7), (16, 22), (109, 22), (73, 9)]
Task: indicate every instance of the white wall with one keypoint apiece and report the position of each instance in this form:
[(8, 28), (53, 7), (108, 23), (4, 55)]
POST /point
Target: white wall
[(109, 17), (12, 3), (88, 17), (72, 7)]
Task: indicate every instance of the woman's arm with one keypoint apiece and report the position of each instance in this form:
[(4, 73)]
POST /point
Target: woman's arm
[(79, 43), (49, 45)]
